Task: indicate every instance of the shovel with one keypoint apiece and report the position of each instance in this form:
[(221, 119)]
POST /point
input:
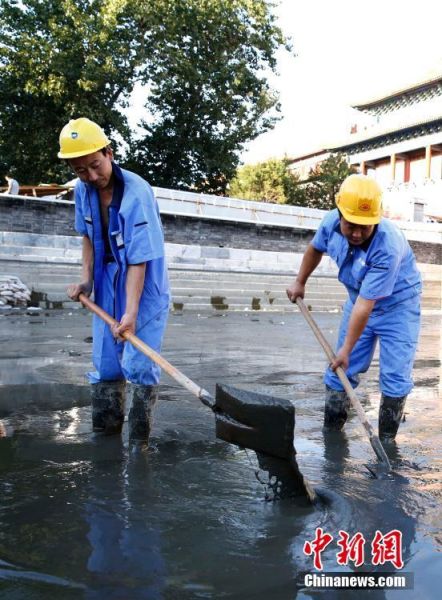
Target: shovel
[(374, 440), (248, 419)]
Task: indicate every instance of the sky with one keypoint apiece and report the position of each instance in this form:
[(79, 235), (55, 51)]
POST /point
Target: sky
[(346, 52)]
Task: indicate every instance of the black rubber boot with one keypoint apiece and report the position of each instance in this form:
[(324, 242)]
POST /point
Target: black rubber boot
[(335, 409), (141, 399), (108, 406), (391, 411)]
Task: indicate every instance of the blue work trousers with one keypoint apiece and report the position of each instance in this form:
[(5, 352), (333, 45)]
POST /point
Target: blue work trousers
[(115, 360), (398, 333)]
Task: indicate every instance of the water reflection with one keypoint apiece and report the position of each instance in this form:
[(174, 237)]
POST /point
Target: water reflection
[(125, 546), (336, 453)]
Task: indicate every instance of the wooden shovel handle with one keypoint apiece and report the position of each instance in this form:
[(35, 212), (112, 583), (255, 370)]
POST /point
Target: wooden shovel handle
[(345, 382), (182, 379)]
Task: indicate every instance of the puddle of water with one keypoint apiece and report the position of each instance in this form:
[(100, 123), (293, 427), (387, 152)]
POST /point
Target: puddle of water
[(32, 399), (189, 518)]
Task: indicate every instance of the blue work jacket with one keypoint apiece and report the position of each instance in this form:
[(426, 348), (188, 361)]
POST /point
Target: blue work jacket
[(386, 271), (135, 236)]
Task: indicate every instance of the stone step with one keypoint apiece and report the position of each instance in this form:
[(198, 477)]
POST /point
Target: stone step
[(245, 279), (332, 301), (431, 303), (34, 256), (222, 290), (58, 292), (430, 291), (258, 303), (32, 240), (228, 299), (34, 268), (26, 246), (261, 283), (63, 257), (195, 289), (23, 253), (193, 275), (283, 308), (210, 284)]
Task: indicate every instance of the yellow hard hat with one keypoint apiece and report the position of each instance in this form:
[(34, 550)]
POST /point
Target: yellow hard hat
[(360, 200), (81, 137)]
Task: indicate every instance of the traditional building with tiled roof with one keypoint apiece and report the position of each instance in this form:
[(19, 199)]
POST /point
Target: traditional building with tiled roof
[(398, 140)]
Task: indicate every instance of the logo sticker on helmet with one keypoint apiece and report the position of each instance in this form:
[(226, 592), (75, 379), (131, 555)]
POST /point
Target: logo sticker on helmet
[(364, 205), (74, 135)]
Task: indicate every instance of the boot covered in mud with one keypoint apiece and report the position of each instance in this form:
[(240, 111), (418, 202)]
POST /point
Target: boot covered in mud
[(108, 398), (141, 399), (391, 411), (336, 409)]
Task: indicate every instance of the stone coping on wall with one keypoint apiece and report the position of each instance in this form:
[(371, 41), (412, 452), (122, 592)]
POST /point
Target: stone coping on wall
[(221, 208), (218, 208)]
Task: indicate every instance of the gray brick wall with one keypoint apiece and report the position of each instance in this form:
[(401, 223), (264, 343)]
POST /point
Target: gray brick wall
[(34, 215), (208, 232), (427, 253)]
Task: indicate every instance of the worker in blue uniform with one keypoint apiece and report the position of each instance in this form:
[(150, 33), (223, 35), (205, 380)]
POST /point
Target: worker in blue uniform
[(123, 263), (378, 268)]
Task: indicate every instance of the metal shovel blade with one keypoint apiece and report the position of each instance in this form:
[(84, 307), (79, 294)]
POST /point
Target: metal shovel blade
[(257, 421)]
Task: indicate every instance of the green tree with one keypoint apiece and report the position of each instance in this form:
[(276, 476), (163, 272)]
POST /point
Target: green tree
[(208, 95), (319, 190), (60, 59), (268, 181), (201, 63)]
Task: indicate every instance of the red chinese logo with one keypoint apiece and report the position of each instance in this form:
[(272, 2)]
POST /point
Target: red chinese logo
[(384, 548), (317, 546), (351, 549), (387, 548)]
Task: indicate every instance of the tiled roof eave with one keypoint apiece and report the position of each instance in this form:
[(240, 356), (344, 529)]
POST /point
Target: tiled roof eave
[(385, 134), (398, 92)]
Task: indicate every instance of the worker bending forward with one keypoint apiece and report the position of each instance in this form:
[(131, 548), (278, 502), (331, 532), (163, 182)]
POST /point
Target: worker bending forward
[(124, 265), (378, 268)]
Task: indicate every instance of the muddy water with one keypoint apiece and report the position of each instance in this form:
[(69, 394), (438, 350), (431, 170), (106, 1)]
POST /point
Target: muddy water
[(82, 516)]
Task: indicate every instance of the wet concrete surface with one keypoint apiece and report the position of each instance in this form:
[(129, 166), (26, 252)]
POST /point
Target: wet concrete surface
[(87, 516)]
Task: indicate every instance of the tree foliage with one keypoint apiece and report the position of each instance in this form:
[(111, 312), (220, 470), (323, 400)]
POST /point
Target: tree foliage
[(319, 190), (201, 62), (272, 181), (268, 181), (59, 59), (207, 92)]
